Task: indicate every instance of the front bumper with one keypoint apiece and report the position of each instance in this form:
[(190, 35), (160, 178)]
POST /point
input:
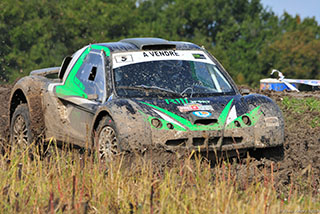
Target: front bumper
[(227, 140)]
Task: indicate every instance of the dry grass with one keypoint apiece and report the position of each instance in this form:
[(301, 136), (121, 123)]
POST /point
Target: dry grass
[(67, 182)]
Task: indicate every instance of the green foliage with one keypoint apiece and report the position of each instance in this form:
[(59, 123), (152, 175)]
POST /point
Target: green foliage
[(295, 52), (246, 38)]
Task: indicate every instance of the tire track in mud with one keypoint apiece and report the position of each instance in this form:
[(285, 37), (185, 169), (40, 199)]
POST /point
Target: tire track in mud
[(302, 144)]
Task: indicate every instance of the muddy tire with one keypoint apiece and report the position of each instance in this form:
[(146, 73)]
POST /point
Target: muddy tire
[(271, 153), (106, 139), (20, 132)]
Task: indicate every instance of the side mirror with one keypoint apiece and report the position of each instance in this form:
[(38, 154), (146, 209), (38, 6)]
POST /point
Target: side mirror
[(64, 66), (244, 91)]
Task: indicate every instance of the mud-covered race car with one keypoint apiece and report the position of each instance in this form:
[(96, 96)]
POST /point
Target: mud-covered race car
[(131, 94)]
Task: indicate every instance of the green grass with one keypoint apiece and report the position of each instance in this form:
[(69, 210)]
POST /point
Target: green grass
[(67, 182), (300, 105), (303, 105)]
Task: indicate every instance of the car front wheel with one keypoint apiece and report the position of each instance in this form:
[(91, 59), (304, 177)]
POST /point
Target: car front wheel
[(107, 140)]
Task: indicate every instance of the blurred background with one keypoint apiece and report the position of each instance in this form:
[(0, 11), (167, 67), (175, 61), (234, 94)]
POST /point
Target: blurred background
[(249, 37)]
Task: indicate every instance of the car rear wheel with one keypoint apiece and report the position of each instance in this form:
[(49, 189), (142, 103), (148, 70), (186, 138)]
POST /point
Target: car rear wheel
[(20, 133), (107, 140)]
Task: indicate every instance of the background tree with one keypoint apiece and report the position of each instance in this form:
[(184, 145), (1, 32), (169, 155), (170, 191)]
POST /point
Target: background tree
[(296, 52), (248, 39)]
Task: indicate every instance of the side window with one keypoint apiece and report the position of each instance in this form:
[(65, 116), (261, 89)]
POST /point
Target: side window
[(91, 74)]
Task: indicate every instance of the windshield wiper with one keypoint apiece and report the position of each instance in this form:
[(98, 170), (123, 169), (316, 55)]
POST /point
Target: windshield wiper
[(151, 88), (186, 89)]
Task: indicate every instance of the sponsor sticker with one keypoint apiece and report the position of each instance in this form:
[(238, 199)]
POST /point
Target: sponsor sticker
[(198, 56), (195, 107), (201, 113), (200, 101), (160, 53), (127, 58), (185, 101)]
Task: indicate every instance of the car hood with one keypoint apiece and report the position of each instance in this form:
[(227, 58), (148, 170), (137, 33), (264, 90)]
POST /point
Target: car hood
[(193, 113)]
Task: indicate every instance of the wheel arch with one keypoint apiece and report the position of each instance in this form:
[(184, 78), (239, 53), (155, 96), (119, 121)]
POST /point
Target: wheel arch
[(268, 107), (258, 99), (29, 90), (269, 110), (18, 97), (99, 117), (103, 113)]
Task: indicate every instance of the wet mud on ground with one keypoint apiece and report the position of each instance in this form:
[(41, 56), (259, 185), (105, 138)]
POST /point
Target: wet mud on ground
[(302, 144), (5, 91)]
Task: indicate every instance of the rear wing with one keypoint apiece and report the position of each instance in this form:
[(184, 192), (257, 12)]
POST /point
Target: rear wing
[(45, 72), (57, 72)]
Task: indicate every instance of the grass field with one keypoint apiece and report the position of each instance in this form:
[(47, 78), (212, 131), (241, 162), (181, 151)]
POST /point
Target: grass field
[(67, 182)]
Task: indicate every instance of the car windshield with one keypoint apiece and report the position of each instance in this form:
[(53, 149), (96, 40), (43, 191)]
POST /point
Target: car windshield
[(176, 77)]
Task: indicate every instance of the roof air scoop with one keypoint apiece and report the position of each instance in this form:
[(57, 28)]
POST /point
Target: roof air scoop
[(150, 43), (159, 47)]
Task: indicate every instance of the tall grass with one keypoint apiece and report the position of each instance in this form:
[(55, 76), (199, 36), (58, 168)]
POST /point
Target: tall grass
[(69, 182)]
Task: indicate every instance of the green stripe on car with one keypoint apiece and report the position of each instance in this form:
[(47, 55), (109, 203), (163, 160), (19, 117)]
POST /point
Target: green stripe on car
[(254, 116)]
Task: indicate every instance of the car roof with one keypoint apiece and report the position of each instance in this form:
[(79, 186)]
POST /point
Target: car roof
[(136, 44)]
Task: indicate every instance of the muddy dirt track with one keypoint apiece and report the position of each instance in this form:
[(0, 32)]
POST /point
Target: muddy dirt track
[(5, 91), (302, 143)]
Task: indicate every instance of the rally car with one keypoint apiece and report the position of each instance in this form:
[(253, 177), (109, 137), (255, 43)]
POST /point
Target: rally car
[(128, 95)]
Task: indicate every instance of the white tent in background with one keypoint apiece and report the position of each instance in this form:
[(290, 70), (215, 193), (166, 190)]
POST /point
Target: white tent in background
[(282, 83)]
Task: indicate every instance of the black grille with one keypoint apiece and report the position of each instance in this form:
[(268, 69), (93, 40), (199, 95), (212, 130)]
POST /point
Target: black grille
[(177, 142), (205, 121), (198, 141)]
